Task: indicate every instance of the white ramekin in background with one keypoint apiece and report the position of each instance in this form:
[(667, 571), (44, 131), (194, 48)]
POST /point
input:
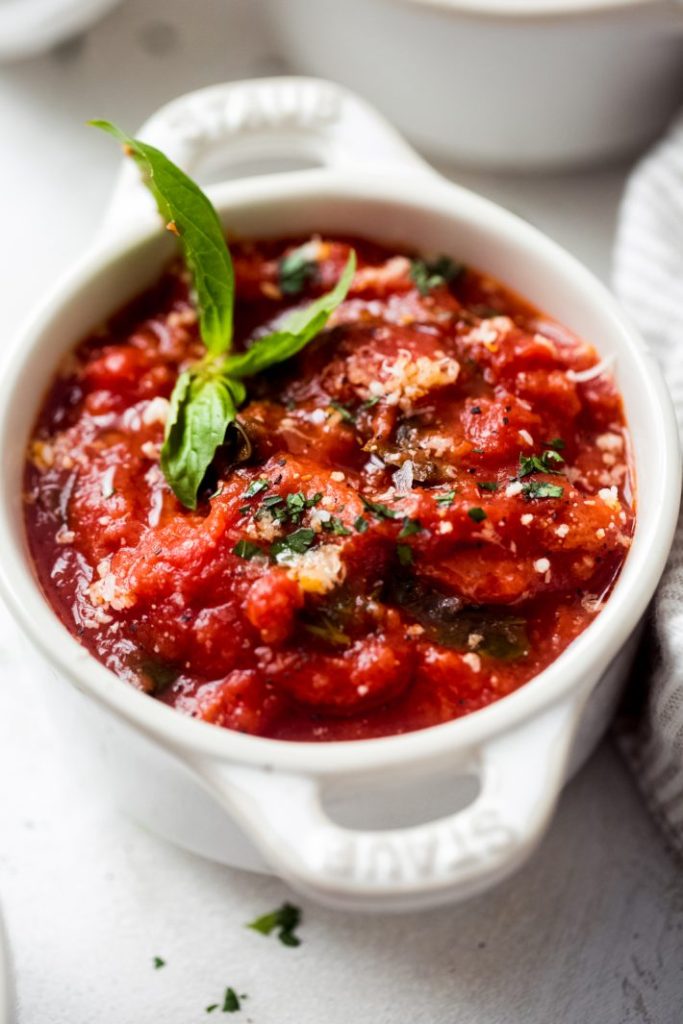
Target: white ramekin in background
[(28, 27), (511, 84), (400, 822)]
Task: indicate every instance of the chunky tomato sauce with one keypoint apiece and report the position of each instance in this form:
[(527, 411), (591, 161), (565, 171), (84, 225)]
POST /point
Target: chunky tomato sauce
[(437, 503)]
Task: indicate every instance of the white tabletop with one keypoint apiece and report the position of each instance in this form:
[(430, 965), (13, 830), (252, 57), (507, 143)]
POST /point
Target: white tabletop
[(591, 930)]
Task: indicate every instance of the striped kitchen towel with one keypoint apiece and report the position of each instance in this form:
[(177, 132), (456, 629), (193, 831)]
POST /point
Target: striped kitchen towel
[(648, 278)]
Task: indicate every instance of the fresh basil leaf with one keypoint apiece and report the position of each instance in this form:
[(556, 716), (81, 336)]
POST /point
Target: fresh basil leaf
[(202, 409), (300, 327), (189, 214)]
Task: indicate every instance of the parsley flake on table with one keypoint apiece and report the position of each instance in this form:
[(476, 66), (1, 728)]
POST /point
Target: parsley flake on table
[(158, 963), (231, 1002), (285, 920)]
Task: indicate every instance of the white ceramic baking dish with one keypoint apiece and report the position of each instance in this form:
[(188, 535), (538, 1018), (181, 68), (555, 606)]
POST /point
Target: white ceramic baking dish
[(467, 801), (512, 84)]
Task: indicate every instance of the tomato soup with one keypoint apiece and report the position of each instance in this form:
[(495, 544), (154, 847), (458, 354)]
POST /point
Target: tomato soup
[(437, 500)]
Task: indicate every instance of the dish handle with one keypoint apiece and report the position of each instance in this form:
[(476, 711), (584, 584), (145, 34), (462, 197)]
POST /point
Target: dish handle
[(520, 775), (260, 121)]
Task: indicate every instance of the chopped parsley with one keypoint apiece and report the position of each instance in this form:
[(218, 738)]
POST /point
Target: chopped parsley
[(285, 920), (542, 489), (211, 1008), (231, 1003), (538, 464), (378, 509), (557, 443), (446, 499), (410, 527), (369, 403), (334, 525), (297, 542), (343, 411), (360, 524), (256, 486), (296, 270), (476, 514), (288, 509), (328, 632), (405, 554), (246, 549), (488, 485), (428, 274), (158, 963)]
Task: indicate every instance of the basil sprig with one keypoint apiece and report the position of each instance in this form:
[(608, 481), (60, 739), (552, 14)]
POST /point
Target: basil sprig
[(207, 395), (188, 213)]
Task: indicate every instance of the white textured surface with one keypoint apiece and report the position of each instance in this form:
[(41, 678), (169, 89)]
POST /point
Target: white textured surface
[(591, 932)]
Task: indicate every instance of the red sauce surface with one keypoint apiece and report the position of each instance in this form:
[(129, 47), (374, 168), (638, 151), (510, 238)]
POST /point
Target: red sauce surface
[(432, 602)]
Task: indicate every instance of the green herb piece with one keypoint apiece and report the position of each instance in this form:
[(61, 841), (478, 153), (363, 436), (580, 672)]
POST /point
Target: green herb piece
[(557, 443), (256, 487), (477, 514), (360, 524), (369, 403), (541, 464), (231, 1003), (206, 397), (295, 332), (498, 634), (378, 509), (343, 411), (446, 499), (158, 963), (202, 408), (335, 526), (210, 1009), (431, 274), (542, 489), (328, 632), (405, 554), (410, 527), (285, 920), (188, 213), (488, 485), (246, 549), (159, 674), (295, 270), (296, 543)]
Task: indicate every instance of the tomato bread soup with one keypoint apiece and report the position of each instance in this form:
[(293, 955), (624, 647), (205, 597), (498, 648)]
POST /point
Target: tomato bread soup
[(422, 509)]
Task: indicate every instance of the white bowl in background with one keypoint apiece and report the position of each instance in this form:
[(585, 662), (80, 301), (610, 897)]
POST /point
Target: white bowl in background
[(28, 27), (510, 84), (399, 822)]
